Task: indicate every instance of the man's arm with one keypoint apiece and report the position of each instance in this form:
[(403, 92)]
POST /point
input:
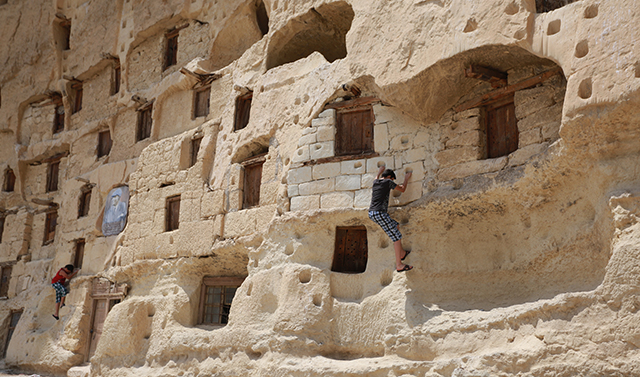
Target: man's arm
[(380, 171), (403, 186), (74, 273)]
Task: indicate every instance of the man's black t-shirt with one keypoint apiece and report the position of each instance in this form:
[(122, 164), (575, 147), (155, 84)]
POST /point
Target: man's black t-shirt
[(380, 195)]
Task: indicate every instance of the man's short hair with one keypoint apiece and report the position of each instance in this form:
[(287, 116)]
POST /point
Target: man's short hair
[(69, 267), (389, 173)]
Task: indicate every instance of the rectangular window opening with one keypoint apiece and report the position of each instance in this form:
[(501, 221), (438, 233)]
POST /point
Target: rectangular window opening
[(14, 318), (84, 202), (243, 111), (5, 279), (9, 180), (104, 143), (58, 116), (543, 6), (195, 148), (144, 123), (201, 102), (78, 255), (115, 79), (354, 131), (52, 176), (216, 298), (172, 213), (501, 127), (76, 91), (2, 220), (171, 50), (351, 252), (50, 223), (251, 184)]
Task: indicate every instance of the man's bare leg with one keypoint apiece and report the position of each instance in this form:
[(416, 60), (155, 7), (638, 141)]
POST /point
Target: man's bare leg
[(400, 253)]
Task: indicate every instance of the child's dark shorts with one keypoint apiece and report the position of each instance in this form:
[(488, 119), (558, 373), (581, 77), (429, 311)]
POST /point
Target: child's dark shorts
[(61, 291), (389, 225)]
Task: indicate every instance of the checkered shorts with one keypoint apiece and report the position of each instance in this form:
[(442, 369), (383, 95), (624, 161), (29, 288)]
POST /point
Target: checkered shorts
[(61, 291), (389, 225)]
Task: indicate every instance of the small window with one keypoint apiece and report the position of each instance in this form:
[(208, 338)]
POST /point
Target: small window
[(9, 181), (350, 253), (115, 79), (104, 143), (195, 147), (502, 127), (13, 323), (84, 202), (354, 131), (62, 33), (172, 213), (2, 218), (78, 255), (58, 116), (5, 279), (201, 102), (52, 176), (262, 17), (243, 111), (76, 93), (171, 51), (3, 2), (50, 227), (215, 299), (252, 181), (144, 123)]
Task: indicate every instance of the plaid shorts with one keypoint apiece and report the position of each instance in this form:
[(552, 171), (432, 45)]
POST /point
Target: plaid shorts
[(389, 225), (61, 291)]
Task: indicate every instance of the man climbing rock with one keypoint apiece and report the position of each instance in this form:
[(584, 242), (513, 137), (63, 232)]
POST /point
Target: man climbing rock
[(66, 272), (378, 212)]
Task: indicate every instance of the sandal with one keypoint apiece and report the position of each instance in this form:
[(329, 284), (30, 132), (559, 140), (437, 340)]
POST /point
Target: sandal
[(406, 254), (405, 268), (54, 316)]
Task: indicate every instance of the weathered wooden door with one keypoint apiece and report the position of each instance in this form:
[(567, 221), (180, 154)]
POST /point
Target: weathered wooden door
[(4, 283), (351, 253), (252, 180), (354, 132), (100, 310), (502, 128)]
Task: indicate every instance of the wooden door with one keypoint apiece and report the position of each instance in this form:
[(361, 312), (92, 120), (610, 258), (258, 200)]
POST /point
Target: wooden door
[(252, 180), (4, 283), (350, 254), (354, 132), (502, 128), (100, 310)]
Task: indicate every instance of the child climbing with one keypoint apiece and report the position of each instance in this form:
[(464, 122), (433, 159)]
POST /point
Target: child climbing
[(66, 272), (378, 212)]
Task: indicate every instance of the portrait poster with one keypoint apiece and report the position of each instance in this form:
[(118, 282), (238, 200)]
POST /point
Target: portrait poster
[(115, 211)]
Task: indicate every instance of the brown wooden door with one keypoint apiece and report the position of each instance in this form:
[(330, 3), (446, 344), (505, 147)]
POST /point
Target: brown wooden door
[(100, 310), (351, 252), (502, 129), (252, 180), (354, 134), (4, 284)]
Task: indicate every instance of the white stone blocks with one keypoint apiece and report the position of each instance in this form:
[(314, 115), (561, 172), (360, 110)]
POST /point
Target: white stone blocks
[(533, 136), (307, 139), (522, 155), (416, 168), (413, 192), (337, 200), (382, 113), (326, 170), (551, 131), (321, 150), (326, 133), (381, 137), (532, 100), (292, 190), (469, 138), (299, 175), (373, 164), (455, 156), (328, 113), (308, 130), (353, 167), (301, 154), (318, 122), (347, 182), (402, 142), (362, 198), (317, 187), (367, 180), (305, 203), (416, 154), (475, 112)]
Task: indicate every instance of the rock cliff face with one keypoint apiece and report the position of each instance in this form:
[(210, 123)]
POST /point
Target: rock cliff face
[(237, 143)]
